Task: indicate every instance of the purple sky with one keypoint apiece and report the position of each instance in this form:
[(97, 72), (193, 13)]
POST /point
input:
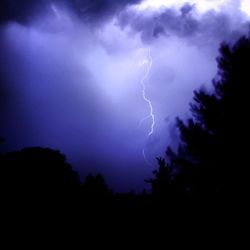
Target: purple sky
[(71, 77)]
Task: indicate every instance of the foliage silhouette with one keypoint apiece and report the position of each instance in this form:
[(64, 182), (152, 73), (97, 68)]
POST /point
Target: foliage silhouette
[(161, 185), (95, 186), (36, 173), (211, 160)]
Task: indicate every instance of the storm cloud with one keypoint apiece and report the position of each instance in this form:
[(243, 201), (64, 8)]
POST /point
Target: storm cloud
[(25, 11), (71, 72), (186, 22)]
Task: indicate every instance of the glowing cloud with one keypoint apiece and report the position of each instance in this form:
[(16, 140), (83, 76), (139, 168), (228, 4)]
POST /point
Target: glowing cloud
[(201, 5), (245, 6)]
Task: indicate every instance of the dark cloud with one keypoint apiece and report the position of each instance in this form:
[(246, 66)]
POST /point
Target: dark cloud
[(97, 9), (21, 11), (170, 21), (24, 11), (158, 30), (186, 9), (183, 22)]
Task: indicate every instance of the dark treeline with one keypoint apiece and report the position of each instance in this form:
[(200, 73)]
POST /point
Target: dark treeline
[(209, 168)]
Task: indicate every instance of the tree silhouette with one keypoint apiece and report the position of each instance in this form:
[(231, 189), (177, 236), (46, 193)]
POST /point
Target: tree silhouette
[(211, 158), (95, 186), (161, 184), (37, 173)]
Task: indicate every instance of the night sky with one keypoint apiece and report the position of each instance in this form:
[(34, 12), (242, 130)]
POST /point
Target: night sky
[(103, 80)]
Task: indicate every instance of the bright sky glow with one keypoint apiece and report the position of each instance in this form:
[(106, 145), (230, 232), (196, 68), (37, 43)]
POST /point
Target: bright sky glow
[(245, 6), (201, 5)]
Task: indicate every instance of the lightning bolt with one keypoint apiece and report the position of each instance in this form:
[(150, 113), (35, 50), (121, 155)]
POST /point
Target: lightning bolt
[(151, 115)]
